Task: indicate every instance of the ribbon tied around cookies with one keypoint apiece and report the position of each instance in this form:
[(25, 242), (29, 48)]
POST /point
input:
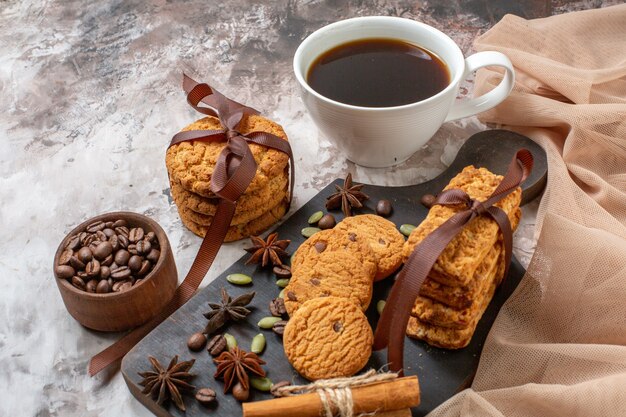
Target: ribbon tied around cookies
[(234, 170), (391, 328)]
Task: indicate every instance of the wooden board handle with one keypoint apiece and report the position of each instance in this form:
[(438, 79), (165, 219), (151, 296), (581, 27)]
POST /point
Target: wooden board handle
[(398, 394)]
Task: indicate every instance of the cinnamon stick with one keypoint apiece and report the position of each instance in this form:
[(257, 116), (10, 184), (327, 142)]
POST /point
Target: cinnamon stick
[(397, 394)]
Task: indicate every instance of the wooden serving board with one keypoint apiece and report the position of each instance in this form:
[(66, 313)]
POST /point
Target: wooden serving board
[(441, 372)]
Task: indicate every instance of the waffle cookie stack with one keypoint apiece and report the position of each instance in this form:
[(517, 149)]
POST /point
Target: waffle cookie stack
[(463, 280), (190, 166)]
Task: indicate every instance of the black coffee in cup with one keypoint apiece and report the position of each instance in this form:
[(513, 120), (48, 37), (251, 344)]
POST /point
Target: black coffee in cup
[(378, 72)]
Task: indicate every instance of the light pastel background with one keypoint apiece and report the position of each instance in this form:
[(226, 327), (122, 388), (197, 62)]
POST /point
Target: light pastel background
[(90, 98)]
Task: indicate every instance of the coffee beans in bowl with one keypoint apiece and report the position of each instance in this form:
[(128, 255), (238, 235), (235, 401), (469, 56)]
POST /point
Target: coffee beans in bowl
[(115, 271), (108, 257)]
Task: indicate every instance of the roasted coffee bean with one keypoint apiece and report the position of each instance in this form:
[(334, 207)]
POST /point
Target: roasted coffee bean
[(428, 200), (94, 227), (102, 237), (121, 257), (279, 327), (205, 396), (196, 342), (93, 268), (93, 245), (282, 272), (107, 261), (143, 247), (74, 243), (327, 222), (135, 234), (65, 257), (105, 272), (116, 285), (276, 387), (146, 266), (82, 236), (91, 285), (115, 245), (122, 241), (122, 231), (216, 345), (85, 255), (120, 273), (153, 256), (134, 263), (132, 248), (384, 208), (82, 274), (78, 282), (277, 307), (65, 271), (150, 237), (126, 285), (103, 250), (111, 282), (120, 223), (109, 225), (89, 240), (240, 393), (109, 233), (103, 287), (76, 263)]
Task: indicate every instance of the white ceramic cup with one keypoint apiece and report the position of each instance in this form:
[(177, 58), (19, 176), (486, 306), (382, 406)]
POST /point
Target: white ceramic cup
[(386, 136)]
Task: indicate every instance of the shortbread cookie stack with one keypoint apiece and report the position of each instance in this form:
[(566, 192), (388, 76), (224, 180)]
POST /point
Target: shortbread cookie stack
[(463, 280), (190, 166)]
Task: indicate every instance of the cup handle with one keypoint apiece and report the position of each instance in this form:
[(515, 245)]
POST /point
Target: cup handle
[(470, 107)]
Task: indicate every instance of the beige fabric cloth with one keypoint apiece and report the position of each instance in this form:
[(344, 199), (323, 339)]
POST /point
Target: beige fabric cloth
[(558, 345)]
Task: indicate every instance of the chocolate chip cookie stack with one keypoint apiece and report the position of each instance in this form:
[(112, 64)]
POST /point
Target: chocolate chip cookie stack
[(463, 280), (190, 166), (331, 286)]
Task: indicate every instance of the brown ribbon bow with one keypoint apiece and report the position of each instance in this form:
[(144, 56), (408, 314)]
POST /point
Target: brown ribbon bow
[(234, 171), (391, 328)]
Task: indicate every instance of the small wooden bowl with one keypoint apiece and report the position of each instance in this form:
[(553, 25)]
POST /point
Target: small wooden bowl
[(118, 311)]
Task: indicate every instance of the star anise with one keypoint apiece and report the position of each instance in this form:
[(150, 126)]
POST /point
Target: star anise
[(227, 310), (266, 252), (165, 384), (233, 366), (347, 197)]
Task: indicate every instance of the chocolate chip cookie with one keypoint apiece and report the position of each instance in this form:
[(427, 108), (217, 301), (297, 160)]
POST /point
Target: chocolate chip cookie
[(334, 273), (328, 337), (383, 237), (335, 240)]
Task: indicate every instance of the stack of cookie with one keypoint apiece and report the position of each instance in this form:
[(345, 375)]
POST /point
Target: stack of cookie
[(190, 166), (331, 286), (463, 280)]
